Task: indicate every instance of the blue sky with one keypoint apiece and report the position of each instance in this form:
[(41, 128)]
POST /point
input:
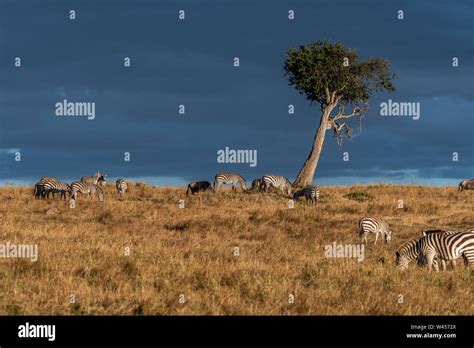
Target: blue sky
[(190, 62)]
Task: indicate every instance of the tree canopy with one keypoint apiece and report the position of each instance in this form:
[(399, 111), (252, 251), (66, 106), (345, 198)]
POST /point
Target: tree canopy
[(318, 68)]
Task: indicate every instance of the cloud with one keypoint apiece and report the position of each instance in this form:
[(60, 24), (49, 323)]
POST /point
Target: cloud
[(190, 63)]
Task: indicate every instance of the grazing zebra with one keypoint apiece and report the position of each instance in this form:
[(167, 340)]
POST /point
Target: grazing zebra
[(87, 189), (121, 186), (373, 225), (55, 187), (229, 179), (278, 182), (466, 185), (96, 179), (198, 186), (447, 246), (38, 190), (310, 193)]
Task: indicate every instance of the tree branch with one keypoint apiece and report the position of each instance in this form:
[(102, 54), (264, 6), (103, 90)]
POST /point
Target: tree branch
[(328, 95), (356, 112)]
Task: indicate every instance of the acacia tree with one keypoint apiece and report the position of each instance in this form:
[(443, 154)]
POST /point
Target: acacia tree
[(332, 76)]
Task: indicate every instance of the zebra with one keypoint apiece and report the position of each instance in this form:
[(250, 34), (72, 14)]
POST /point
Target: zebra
[(276, 181), (38, 191), (96, 179), (466, 185), (86, 188), (121, 186), (373, 225), (310, 193), (229, 179), (55, 187), (197, 186), (447, 246)]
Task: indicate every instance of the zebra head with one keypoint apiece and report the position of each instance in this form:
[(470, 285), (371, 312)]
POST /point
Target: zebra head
[(407, 253), (388, 237), (401, 261), (101, 179), (256, 183)]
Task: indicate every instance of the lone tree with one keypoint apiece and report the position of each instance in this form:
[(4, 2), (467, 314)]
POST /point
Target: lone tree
[(332, 75)]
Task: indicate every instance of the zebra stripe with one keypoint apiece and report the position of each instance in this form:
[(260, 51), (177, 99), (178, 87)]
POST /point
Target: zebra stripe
[(87, 189), (229, 179), (96, 179), (55, 187), (443, 262), (373, 225), (278, 182), (447, 246), (38, 190), (121, 186), (310, 193)]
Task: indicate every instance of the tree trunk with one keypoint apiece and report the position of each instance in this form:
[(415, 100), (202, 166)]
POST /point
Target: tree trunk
[(306, 173)]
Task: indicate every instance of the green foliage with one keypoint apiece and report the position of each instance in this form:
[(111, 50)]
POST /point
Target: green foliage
[(315, 68)]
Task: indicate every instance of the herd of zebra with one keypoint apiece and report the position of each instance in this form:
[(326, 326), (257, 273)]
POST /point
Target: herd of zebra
[(89, 185), (265, 183), (432, 245)]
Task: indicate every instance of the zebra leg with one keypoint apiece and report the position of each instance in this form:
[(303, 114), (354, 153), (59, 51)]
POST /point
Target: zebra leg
[(453, 264), (431, 262), (376, 238)]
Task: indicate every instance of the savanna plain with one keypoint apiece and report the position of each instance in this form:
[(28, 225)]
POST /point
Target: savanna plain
[(227, 253)]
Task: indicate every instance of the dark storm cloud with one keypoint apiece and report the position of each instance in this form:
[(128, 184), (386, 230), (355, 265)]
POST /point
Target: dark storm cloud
[(190, 63)]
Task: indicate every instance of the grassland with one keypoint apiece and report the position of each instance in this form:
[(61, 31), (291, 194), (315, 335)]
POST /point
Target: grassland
[(191, 252)]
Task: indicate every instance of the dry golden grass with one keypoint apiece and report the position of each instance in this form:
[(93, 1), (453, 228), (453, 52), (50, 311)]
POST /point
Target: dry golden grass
[(190, 251)]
